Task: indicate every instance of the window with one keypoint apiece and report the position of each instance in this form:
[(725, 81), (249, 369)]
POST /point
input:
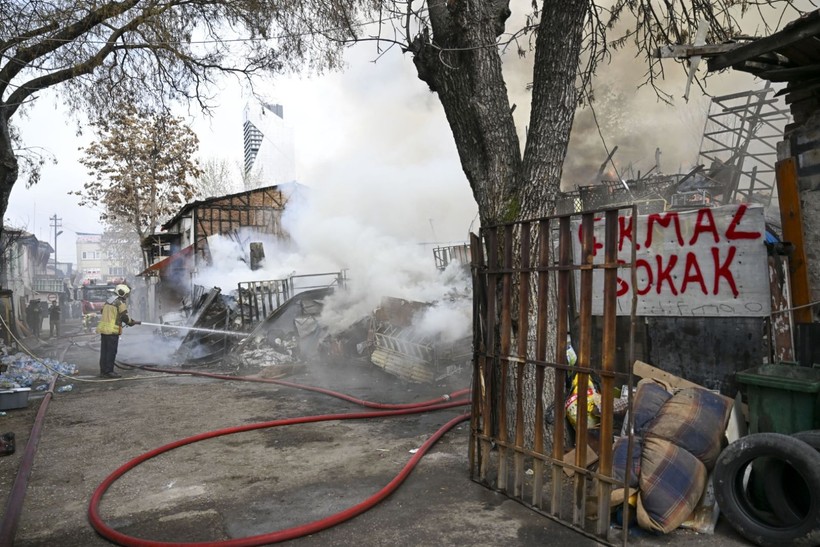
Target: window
[(91, 255), (116, 271)]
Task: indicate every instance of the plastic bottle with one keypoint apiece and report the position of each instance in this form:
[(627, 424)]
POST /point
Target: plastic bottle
[(63, 389)]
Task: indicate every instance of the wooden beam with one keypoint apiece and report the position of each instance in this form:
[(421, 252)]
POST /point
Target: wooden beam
[(685, 51), (765, 45), (788, 196), (806, 72)]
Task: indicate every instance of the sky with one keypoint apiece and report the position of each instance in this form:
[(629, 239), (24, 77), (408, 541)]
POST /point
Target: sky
[(375, 145)]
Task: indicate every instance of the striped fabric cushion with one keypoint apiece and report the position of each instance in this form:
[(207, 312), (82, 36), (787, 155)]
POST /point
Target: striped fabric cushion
[(695, 420), (672, 481), (677, 440)]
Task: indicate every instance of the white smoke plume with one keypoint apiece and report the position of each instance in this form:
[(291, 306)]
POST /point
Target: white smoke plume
[(325, 237)]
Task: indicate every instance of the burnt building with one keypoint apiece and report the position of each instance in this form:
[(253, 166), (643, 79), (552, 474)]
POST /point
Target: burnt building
[(181, 248)]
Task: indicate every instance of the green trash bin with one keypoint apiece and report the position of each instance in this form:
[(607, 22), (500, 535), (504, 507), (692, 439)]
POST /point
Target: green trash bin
[(782, 398)]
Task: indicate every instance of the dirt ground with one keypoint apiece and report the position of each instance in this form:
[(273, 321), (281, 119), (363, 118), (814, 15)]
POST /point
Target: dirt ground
[(260, 481)]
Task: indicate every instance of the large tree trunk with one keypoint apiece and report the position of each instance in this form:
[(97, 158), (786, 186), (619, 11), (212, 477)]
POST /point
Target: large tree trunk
[(554, 98), (458, 65), (461, 64)]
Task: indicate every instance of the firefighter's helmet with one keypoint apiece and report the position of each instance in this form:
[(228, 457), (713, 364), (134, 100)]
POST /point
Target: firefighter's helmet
[(122, 290)]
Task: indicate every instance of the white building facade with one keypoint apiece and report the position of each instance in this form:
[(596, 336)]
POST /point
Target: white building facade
[(93, 263), (270, 152)]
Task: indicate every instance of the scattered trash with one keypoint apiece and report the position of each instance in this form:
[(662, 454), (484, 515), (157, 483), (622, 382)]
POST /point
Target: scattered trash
[(63, 389), (22, 370), (414, 450), (7, 444)]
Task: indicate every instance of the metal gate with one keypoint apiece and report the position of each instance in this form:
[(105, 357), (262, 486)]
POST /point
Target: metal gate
[(529, 293)]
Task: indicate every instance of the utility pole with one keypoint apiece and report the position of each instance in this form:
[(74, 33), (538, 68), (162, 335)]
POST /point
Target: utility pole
[(55, 223)]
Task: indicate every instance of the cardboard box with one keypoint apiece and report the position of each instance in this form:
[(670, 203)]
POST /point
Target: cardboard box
[(14, 398)]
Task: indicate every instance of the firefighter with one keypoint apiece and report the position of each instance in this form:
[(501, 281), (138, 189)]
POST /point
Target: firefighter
[(114, 315)]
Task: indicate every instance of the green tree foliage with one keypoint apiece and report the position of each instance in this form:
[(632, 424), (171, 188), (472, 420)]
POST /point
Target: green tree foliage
[(142, 168)]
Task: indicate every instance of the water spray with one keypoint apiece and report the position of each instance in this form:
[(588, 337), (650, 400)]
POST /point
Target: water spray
[(213, 331)]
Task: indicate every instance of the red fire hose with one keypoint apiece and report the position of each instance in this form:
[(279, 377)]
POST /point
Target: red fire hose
[(361, 402), (14, 507), (281, 535), (386, 410)]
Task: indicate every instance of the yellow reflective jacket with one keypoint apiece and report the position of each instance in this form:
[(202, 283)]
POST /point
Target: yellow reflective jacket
[(114, 314)]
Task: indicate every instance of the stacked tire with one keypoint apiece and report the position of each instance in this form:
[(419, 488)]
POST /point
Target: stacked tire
[(767, 485)]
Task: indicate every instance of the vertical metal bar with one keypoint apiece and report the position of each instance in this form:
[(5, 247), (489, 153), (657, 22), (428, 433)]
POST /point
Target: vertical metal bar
[(262, 298), (490, 415), (522, 335), (608, 348), (542, 298), (561, 320), (256, 315), (476, 453), (582, 378), (241, 304), (630, 442), (506, 334)]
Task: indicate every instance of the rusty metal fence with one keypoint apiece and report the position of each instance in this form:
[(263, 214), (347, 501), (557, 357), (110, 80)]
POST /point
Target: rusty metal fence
[(532, 286)]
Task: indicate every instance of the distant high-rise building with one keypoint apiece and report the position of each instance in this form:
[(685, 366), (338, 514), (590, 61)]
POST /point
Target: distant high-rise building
[(269, 147)]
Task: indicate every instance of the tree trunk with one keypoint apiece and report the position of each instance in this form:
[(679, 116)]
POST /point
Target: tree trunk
[(554, 98), (463, 66), (8, 176), (459, 66)]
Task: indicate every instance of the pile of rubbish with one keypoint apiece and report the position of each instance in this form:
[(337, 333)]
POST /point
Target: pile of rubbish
[(21, 370)]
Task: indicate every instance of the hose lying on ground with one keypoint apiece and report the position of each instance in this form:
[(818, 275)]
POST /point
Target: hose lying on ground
[(386, 410)]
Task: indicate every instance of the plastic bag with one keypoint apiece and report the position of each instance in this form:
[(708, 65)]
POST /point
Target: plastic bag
[(593, 397)]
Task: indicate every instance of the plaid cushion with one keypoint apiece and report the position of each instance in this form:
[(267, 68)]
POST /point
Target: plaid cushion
[(649, 399), (619, 460), (695, 420), (672, 481)]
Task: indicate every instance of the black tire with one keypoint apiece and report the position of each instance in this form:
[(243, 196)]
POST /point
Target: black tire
[(790, 504), (810, 437), (786, 492), (734, 500)]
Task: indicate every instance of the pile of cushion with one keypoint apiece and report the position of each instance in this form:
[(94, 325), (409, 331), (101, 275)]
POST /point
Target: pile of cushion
[(677, 440)]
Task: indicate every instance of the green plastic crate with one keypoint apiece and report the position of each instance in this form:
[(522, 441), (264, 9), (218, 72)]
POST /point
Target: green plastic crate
[(782, 398)]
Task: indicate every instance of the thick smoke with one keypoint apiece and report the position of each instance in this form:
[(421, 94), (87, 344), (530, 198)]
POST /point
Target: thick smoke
[(325, 238)]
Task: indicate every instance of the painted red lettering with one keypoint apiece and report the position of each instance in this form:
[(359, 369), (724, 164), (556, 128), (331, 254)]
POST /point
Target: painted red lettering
[(641, 263), (623, 286), (704, 227), (733, 233), (664, 274), (595, 244), (722, 270), (692, 274), (624, 232), (664, 219)]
